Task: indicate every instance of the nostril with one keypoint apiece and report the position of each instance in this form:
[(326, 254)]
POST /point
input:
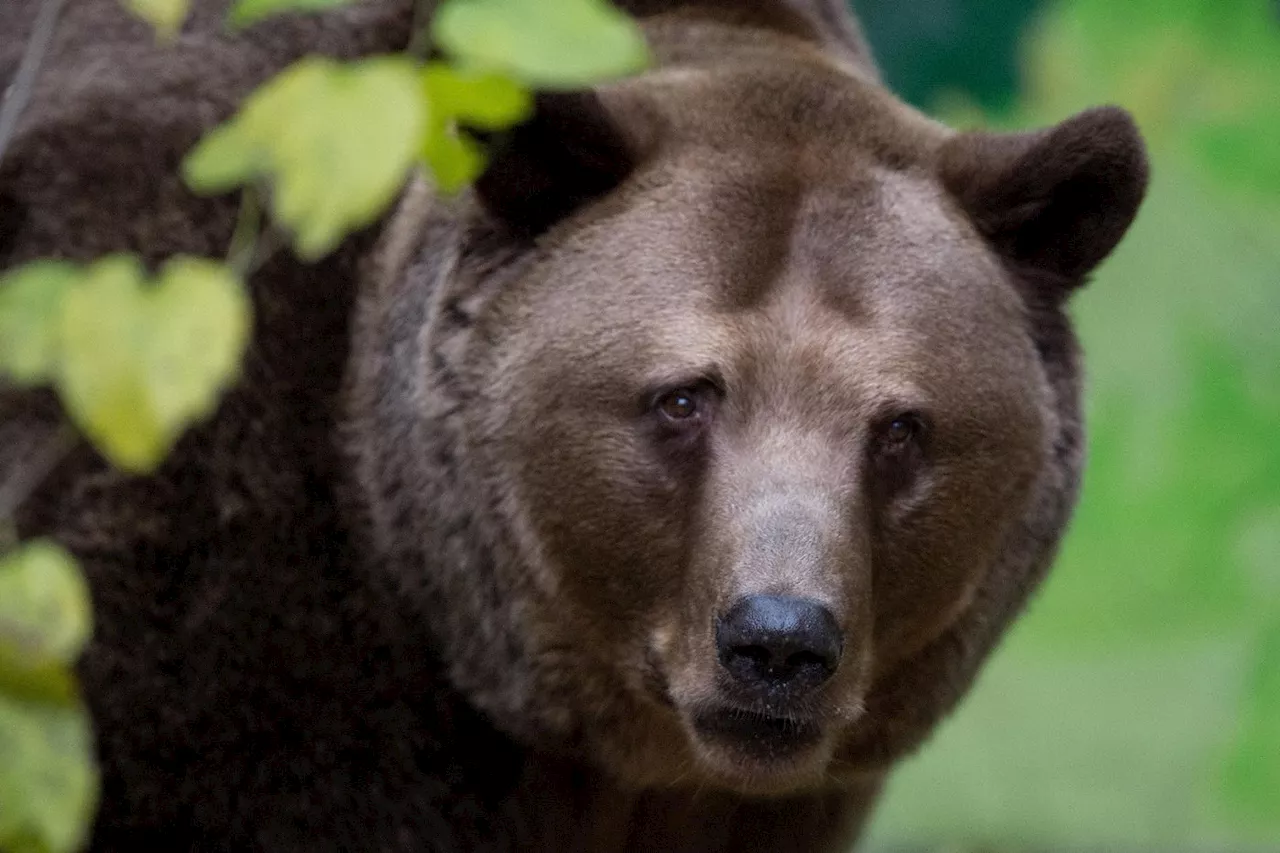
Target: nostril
[(756, 654), (747, 662), (779, 641), (796, 660)]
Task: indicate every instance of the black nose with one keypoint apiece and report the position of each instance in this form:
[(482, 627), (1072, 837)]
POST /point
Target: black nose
[(775, 641)]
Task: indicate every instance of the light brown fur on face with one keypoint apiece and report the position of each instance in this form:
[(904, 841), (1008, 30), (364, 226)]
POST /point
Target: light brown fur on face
[(785, 239), (877, 301)]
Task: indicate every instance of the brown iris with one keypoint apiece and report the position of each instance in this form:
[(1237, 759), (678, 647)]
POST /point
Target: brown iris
[(900, 430), (678, 405)]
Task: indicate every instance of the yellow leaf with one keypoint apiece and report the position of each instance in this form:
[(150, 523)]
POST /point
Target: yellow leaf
[(335, 140), (166, 16), (546, 43), (30, 317), (142, 361)]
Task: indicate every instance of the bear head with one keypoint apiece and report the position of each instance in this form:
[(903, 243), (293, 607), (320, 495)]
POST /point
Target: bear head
[(719, 432)]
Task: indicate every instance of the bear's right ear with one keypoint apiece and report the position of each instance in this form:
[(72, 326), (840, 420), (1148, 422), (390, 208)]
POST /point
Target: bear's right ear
[(1056, 201), (571, 150)]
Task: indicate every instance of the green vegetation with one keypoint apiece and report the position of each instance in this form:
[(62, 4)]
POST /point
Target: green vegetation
[(928, 48), (1138, 704), (47, 783)]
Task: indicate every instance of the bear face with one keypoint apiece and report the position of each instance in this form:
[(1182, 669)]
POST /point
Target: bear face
[(709, 445), (723, 400)]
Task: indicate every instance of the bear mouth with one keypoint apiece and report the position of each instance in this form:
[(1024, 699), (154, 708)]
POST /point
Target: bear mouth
[(758, 739)]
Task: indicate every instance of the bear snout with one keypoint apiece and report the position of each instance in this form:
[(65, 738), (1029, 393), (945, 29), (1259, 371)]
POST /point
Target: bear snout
[(778, 647)]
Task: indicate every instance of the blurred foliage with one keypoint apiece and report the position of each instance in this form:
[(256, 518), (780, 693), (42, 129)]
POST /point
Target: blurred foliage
[(583, 42), (929, 49), (135, 361), (1138, 703), (48, 787), (165, 16), (480, 100), (336, 139), (246, 12)]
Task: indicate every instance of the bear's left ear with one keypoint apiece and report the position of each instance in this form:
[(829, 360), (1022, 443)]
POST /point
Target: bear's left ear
[(571, 151), (1054, 201)]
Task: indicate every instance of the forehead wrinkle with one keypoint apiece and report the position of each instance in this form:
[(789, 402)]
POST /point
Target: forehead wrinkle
[(743, 223), (812, 338), (803, 362), (825, 231)]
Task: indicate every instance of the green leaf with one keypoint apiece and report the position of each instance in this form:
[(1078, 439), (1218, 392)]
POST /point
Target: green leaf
[(141, 363), (166, 16), (482, 99), (336, 140), (546, 43), (101, 384), (44, 604), (45, 620), (48, 782), (485, 100), (30, 316), (246, 12), (50, 683), (199, 328), (453, 160)]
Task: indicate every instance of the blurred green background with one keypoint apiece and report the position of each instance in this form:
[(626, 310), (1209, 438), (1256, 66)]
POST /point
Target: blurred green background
[(1137, 704)]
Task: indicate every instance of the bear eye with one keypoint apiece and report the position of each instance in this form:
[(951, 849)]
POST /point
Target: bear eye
[(686, 408), (897, 452), (678, 405), (680, 414), (900, 432)]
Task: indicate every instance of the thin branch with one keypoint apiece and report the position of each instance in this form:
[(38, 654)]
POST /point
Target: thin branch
[(244, 240), (26, 477), (19, 92), (420, 32), (270, 241)]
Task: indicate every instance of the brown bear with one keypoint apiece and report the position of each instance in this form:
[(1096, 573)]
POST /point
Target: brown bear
[(659, 493)]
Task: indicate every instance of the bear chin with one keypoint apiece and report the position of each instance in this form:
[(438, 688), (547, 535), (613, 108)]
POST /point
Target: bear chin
[(756, 754), (718, 746)]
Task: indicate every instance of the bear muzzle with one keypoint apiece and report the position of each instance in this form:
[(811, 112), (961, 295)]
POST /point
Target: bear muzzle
[(778, 647)]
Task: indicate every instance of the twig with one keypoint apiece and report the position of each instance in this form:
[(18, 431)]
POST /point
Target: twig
[(22, 481), (19, 92), (244, 240), (270, 241), (420, 34)]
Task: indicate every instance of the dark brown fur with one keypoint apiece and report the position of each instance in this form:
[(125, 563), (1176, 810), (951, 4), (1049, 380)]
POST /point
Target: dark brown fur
[(433, 578)]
